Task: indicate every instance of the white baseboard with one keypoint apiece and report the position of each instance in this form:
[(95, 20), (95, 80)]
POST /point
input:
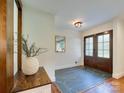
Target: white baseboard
[(66, 66), (118, 75), (53, 79)]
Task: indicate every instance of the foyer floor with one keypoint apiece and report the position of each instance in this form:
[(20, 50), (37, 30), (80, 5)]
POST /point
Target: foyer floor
[(80, 79), (109, 86)]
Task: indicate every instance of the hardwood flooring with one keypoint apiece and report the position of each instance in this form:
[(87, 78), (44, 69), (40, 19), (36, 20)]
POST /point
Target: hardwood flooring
[(55, 89), (110, 86)]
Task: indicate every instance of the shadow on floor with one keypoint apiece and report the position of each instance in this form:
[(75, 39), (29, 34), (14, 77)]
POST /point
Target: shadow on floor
[(79, 79)]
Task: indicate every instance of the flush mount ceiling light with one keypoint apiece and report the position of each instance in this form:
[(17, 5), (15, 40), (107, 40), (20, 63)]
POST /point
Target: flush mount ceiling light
[(77, 24)]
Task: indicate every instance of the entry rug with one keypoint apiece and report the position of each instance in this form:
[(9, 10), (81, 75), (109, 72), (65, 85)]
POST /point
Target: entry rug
[(79, 79)]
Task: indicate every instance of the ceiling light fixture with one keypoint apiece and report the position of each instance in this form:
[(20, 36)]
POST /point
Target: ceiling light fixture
[(78, 24)]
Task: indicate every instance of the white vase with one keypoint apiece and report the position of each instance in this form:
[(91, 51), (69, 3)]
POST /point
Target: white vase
[(31, 66)]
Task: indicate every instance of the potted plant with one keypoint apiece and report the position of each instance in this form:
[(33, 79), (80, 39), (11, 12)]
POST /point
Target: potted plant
[(31, 65)]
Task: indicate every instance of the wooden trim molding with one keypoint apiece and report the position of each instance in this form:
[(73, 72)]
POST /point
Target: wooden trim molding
[(2, 46), (19, 6), (19, 40), (6, 45), (10, 45)]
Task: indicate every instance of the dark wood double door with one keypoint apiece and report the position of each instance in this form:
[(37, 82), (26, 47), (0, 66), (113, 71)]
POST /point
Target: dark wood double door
[(98, 51)]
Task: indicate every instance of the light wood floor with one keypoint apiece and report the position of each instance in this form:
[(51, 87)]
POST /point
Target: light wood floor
[(110, 86)]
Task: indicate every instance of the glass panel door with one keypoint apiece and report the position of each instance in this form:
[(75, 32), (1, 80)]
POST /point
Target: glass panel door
[(98, 51)]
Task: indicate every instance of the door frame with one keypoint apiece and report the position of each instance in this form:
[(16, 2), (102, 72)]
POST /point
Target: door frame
[(6, 46), (19, 6)]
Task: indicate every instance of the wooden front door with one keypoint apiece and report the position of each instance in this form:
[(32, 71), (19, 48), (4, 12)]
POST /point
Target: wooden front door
[(98, 51)]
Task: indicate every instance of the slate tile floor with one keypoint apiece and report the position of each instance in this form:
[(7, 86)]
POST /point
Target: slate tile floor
[(79, 79)]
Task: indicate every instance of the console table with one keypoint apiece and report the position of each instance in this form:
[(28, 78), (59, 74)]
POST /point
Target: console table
[(37, 83)]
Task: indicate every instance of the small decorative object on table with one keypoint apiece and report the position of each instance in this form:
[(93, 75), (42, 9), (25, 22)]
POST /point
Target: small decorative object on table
[(31, 66)]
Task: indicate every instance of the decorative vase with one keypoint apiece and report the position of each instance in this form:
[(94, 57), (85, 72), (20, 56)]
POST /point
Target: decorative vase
[(31, 66)]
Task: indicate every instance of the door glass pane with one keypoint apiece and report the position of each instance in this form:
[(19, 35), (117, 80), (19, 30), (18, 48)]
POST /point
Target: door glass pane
[(100, 38), (106, 37), (106, 54), (100, 53), (91, 53), (100, 46), (87, 52), (87, 40), (89, 46), (104, 46), (90, 40)]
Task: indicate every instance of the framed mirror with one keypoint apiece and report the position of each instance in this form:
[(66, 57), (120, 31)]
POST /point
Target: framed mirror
[(60, 43)]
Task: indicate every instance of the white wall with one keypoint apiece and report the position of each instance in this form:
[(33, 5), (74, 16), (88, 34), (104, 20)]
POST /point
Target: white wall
[(41, 28), (118, 52), (118, 47), (73, 50)]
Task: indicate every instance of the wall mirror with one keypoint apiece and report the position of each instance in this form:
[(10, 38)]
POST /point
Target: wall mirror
[(59, 43)]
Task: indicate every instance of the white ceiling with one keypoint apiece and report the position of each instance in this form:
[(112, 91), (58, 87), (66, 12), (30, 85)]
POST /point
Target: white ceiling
[(91, 12)]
